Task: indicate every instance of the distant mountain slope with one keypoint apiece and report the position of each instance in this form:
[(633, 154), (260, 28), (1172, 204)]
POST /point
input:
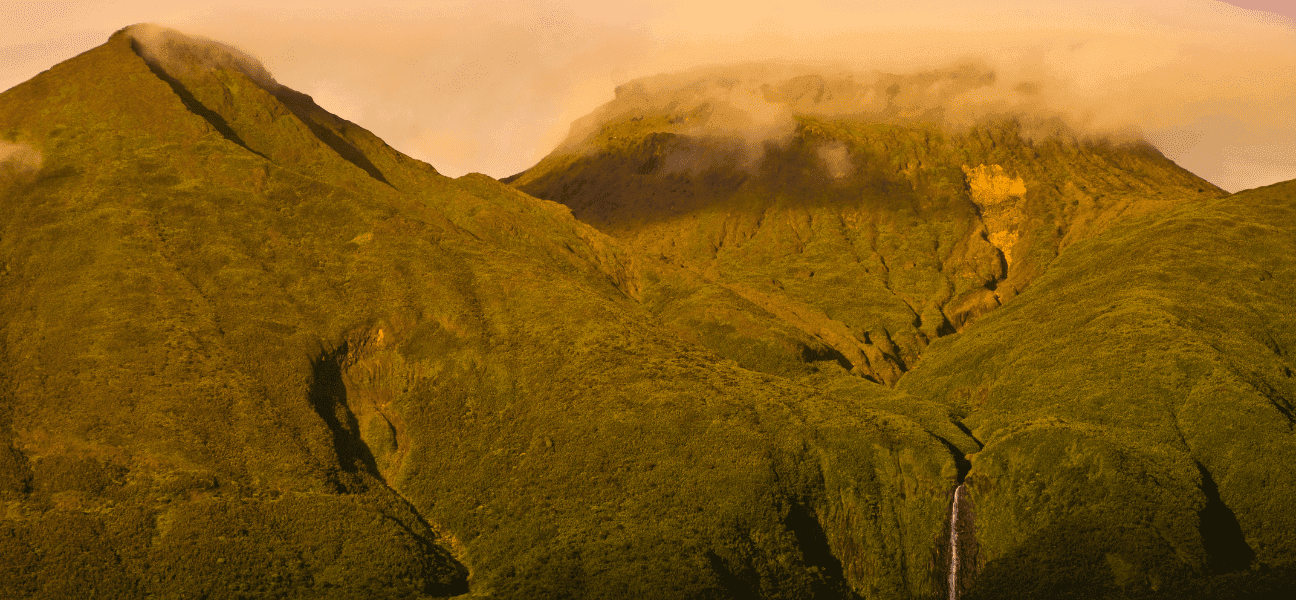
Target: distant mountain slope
[(1136, 405), (840, 206), (248, 350)]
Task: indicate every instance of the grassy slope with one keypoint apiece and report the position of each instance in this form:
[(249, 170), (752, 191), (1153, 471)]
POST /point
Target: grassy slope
[(250, 350), (150, 272), (1136, 407), (1135, 402), (866, 268)]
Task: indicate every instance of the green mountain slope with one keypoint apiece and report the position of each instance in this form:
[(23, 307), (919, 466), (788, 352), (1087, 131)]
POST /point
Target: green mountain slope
[(1108, 326), (1136, 410), (854, 217), (248, 350)]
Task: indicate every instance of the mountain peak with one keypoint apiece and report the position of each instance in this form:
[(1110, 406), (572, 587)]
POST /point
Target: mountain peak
[(878, 212), (181, 54), (239, 98), (247, 349)]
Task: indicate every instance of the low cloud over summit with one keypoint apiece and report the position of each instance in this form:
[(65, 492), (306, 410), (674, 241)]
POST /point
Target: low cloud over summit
[(757, 103), (495, 86), (181, 54)]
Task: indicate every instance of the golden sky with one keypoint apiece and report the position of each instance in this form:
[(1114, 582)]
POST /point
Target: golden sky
[(492, 86)]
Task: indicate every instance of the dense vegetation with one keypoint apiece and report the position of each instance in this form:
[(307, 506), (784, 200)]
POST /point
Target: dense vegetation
[(1136, 406), (251, 351), (864, 238), (247, 350), (1134, 401)]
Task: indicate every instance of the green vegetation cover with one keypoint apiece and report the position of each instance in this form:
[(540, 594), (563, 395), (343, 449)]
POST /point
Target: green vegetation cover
[(1136, 406), (250, 351), (866, 234), (247, 350), (1132, 395)]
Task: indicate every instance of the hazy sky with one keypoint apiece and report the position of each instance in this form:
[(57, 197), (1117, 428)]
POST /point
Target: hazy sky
[(493, 86)]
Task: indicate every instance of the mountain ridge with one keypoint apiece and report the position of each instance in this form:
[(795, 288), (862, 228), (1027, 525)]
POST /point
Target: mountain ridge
[(238, 363), (256, 369), (671, 184), (631, 174)]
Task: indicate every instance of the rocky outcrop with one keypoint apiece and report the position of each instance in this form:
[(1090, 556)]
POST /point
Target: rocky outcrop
[(999, 199)]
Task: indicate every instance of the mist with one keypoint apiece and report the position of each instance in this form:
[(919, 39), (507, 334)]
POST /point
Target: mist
[(18, 159), (180, 54), (494, 86), (748, 107)]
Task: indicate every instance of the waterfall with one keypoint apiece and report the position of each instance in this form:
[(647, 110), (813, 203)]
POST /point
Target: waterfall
[(954, 547)]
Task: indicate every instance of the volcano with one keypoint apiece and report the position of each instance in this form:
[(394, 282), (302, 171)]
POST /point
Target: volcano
[(711, 347), (874, 232)]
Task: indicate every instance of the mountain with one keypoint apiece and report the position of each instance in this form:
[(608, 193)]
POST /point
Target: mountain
[(845, 204), (251, 351), (1136, 406), (1108, 328), (843, 342)]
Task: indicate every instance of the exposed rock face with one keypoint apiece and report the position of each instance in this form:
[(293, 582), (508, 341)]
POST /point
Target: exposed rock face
[(999, 199)]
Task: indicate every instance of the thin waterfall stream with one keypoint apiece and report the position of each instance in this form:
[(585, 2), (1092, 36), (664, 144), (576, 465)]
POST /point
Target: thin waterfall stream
[(954, 543)]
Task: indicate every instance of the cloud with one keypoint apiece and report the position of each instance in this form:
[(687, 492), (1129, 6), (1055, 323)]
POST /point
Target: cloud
[(836, 159), (753, 105), (512, 75), (509, 76), (1164, 70), (19, 158), (179, 54)]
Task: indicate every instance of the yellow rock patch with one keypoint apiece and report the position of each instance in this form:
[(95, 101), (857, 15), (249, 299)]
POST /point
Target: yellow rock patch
[(998, 196), (991, 186)]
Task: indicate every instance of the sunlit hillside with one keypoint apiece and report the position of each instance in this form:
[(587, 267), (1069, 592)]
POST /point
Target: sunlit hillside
[(717, 349)]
